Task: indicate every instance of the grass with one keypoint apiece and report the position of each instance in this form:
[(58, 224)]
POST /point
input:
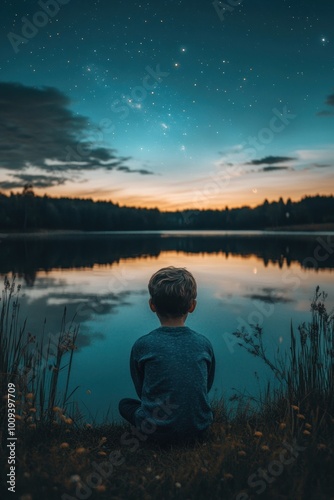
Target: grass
[(283, 449)]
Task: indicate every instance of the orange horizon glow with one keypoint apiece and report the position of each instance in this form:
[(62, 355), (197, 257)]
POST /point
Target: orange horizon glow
[(164, 206)]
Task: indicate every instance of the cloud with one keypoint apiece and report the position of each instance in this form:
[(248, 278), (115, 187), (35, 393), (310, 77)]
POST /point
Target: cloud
[(273, 168), (319, 165), (38, 129), (270, 160), (141, 171), (39, 181), (325, 112), (329, 102)]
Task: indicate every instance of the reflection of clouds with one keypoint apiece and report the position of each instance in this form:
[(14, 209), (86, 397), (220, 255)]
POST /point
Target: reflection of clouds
[(51, 295), (270, 295), (265, 294)]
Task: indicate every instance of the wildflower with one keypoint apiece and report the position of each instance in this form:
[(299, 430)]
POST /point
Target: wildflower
[(100, 488), (258, 434), (265, 448), (68, 421), (228, 476), (102, 453), (157, 477), (294, 407), (64, 446), (306, 433), (18, 417), (242, 453), (300, 416), (30, 395), (308, 426), (80, 451), (282, 425), (32, 410), (75, 478), (178, 485), (56, 409), (102, 440)]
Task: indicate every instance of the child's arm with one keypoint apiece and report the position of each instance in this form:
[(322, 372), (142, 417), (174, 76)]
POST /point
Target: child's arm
[(136, 374), (211, 371)]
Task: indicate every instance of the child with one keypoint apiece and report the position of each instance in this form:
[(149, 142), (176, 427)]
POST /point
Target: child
[(172, 367)]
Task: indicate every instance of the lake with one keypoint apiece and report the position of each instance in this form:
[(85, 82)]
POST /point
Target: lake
[(243, 278)]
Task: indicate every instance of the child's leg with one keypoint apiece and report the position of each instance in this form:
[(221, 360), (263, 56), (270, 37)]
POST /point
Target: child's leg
[(127, 408)]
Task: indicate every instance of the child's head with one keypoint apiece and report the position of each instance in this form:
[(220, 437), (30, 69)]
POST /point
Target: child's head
[(173, 292)]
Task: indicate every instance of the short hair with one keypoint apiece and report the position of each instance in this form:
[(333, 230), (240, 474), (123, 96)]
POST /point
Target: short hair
[(172, 291)]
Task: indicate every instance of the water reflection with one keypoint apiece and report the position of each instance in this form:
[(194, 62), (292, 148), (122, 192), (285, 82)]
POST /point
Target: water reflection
[(102, 281), (27, 255)]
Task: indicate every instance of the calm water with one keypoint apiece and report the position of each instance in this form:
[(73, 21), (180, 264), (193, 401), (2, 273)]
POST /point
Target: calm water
[(242, 278)]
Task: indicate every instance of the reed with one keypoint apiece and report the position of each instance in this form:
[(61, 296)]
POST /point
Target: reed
[(37, 365)]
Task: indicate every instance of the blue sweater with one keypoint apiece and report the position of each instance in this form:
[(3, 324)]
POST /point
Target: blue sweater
[(173, 370)]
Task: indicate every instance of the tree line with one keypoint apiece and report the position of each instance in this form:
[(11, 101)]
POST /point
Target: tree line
[(27, 212)]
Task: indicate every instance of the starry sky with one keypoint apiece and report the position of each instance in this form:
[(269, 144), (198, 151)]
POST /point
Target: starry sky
[(169, 104)]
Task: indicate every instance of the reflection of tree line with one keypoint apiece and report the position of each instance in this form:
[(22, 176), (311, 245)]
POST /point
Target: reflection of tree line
[(25, 256), (26, 211)]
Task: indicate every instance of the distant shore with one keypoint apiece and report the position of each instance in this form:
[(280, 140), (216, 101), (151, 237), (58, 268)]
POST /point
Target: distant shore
[(300, 228)]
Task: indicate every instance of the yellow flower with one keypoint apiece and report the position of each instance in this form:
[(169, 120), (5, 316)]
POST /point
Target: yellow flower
[(258, 434), (308, 426), (100, 488), (64, 446), (294, 407), (282, 425), (265, 448), (80, 451), (228, 476), (32, 410), (300, 416), (56, 409), (30, 395), (68, 421), (102, 453), (306, 433)]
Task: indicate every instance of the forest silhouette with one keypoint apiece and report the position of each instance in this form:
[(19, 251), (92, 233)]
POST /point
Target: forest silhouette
[(27, 212)]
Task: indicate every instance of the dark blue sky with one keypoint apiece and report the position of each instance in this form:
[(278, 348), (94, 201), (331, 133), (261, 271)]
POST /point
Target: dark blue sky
[(204, 105)]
